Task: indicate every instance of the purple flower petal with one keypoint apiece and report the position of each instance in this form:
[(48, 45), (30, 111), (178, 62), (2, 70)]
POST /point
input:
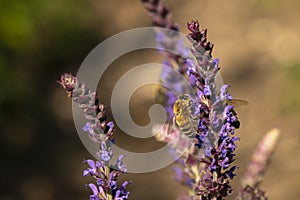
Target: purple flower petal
[(94, 189)]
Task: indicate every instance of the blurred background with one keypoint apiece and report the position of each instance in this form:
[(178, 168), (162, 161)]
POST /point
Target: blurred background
[(257, 41)]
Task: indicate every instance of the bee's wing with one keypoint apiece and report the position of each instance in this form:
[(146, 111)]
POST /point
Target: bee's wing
[(237, 102), (160, 94), (194, 126), (193, 120), (193, 116)]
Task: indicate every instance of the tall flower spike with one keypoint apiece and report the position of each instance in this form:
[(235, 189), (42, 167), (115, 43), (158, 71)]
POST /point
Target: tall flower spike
[(217, 121), (100, 131), (211, 179), (98, 128), (260, 159)]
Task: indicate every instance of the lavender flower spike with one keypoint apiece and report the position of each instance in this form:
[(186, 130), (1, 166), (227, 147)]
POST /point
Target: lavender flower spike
[(217, 121), (100, 131), (261, 157)]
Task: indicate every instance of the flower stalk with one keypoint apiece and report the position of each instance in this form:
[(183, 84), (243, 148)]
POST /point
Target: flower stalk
[(100, 131), (260, 159), (207, 167), (258, 166)]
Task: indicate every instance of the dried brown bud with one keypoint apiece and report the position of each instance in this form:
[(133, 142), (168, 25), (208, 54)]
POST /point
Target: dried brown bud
[(68, 81)]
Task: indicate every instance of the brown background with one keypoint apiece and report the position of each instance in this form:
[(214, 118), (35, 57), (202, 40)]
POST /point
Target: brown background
[(257, 41)]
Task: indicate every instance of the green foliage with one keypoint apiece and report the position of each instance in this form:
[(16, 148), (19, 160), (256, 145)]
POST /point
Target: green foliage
[(39, 36)]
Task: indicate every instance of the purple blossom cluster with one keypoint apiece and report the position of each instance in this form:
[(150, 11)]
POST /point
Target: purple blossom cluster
[(213, 109), (206, 174), (106, 180), (100, 131), (217, 120), (207, 166)]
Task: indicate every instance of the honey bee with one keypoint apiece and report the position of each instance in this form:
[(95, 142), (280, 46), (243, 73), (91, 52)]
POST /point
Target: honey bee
[(184, 109), (183, 115)]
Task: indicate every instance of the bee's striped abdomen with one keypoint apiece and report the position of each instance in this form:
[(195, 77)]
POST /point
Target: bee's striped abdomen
[(184, 125)]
